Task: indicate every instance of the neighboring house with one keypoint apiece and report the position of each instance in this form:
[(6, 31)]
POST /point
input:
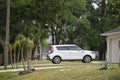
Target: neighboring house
[(113, 45)]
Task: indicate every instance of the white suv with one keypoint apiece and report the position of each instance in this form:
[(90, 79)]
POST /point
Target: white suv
[(58, 53)]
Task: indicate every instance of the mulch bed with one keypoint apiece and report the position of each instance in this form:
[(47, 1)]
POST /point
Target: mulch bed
[(26, 72)]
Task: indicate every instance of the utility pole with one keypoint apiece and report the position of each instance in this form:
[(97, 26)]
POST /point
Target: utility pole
[(7, 35)]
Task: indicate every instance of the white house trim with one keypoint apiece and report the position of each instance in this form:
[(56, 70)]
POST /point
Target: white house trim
[(107, 34)]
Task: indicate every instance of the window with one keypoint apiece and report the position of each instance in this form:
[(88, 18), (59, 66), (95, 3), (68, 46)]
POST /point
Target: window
[(68, 48), (62, 48), (73, 48)]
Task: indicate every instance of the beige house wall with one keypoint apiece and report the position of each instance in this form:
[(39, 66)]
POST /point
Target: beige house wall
[(113, 50)]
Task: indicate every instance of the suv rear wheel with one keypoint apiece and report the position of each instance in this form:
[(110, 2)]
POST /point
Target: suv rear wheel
[(87, 59), (56, 60)]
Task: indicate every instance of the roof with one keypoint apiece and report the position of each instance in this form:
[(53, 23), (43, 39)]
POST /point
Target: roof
[(111, 32)]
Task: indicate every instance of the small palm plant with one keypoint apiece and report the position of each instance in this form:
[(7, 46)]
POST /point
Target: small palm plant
[(105, 66)]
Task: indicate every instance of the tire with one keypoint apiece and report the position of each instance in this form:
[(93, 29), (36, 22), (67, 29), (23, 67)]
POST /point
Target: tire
[(87, 59), (56, 60)]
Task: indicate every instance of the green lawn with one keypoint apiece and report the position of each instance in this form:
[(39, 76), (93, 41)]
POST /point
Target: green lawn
[(75, 71)]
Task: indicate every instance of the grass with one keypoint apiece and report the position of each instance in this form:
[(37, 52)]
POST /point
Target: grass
[(74, 71)]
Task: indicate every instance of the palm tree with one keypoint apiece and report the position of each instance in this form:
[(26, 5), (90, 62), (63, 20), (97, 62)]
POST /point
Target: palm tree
[(19, 38), (22, 54), (7, 35), (14, 53), (29, 45), (21, 43), (10, 53), (25, 47), (12, 48), (18, 53)]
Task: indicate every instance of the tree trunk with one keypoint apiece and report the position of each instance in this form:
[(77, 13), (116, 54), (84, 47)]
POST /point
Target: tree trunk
[(23, 61), (14, 57), (35, 53), (11, 59), (29, 60), (7, 35), (40, 54), (52, 30), (103, 7), (2, 43), (18, 58)]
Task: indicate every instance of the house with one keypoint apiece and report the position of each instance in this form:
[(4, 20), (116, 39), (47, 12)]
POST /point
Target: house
[(113, 45)]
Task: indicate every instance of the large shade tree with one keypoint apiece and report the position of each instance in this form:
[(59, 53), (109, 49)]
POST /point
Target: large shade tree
[(103, 16), (68, 21), (56, 14)]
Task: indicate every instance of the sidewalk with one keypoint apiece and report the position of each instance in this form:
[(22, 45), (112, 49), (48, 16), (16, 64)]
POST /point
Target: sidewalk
[(35, 65), (14, 70)]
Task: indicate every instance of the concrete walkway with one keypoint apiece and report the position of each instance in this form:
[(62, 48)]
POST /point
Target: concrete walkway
[(9, 66), (21, 69)]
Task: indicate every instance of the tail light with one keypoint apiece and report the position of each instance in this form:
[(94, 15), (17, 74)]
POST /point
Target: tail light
[(51, 50)]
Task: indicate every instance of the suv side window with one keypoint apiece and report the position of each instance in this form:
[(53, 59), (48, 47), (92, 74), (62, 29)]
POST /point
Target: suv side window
[(62, 48), (73, 48)]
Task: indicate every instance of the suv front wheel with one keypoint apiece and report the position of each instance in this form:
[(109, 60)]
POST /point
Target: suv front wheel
[(56, 60)]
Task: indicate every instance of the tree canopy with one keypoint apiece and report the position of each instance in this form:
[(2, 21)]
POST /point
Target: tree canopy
[(68, 21)]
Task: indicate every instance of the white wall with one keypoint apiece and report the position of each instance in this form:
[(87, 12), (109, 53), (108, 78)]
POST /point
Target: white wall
[(113, 51)]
